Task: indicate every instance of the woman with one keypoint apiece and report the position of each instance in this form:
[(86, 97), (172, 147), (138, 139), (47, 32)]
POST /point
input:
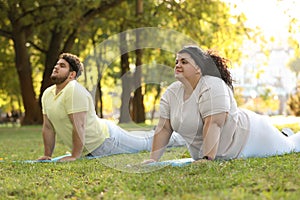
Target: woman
[(200, 106)]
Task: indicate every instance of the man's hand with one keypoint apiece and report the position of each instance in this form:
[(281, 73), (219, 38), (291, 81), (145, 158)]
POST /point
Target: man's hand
[(67, 159), (44, 158)]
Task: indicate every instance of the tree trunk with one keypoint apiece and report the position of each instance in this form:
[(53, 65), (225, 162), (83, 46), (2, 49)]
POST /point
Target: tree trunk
[(158, 89), (98, 96), (138, 99), (51, 58), (33, 114), (138, 109), (126, 83)]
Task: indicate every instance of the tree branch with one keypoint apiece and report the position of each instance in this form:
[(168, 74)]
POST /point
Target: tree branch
[(5, 33), (37, 47), (105, 5)]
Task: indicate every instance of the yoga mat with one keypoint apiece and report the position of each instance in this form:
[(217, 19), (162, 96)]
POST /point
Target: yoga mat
[(174, 163), (45, 161)]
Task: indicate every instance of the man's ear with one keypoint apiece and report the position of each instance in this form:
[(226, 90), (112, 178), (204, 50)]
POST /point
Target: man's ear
[(72, 75)]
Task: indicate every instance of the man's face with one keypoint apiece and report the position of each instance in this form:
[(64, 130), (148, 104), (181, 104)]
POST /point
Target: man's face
[(60, 72)]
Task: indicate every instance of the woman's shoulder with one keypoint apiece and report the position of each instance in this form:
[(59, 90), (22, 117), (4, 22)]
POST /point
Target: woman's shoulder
[(213, 84), (209, 78), (172, 89), (175, 85)]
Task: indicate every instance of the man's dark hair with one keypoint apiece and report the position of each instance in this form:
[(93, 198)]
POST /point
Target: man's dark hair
[(74, 62)]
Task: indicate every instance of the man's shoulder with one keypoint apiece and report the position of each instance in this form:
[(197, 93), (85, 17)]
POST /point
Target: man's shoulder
[(77, 89), (49, 89), (75, 86)]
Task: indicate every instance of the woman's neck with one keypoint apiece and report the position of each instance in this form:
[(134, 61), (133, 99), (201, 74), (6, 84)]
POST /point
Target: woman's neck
[(190, 84), (189, 87)]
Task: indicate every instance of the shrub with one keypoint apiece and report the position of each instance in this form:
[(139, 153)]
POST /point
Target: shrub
[(294, 102)]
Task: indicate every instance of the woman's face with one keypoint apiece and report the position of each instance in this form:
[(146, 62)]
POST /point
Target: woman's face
[(186, 68)]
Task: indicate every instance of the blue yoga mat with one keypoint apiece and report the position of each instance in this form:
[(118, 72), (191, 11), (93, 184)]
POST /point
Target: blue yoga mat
[(175, 163), (46, 161)]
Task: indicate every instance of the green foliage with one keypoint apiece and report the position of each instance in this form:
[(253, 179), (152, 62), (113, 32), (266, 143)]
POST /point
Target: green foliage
[(294, 65), (295, 127), (239, 96), (9, 82), (78, 26), (256, 178), (294, 102)]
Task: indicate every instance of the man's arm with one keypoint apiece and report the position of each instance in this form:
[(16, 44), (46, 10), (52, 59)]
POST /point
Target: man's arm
[(78, 121), (161, 139), (48, 138)]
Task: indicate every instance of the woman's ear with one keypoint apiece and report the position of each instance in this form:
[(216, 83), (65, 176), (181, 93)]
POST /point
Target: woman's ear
[(198, 70)]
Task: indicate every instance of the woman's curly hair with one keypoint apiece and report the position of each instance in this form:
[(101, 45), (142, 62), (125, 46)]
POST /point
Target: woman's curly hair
[(222, 64)]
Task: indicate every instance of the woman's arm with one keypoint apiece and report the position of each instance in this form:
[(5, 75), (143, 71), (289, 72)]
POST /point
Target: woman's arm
[(213, 125), (78, 121), (161, 139)]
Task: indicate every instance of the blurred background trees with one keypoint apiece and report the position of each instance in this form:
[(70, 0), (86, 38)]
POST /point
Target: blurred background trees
[(34, 33)]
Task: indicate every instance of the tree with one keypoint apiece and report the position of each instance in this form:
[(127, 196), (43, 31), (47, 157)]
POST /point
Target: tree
[(138, 109), (294, 65), (49, 28), (294, 102), (9, 85), (212, 26), (18, 28), (126, 81), (41, 30)]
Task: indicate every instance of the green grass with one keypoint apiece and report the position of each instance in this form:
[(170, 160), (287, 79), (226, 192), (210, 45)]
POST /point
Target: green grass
[(120, 176)]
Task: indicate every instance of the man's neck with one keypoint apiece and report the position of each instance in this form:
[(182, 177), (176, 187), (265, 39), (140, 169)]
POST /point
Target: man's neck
[(61, 86)]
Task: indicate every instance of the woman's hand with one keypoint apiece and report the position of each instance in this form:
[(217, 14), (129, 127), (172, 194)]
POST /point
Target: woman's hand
[(44, 158), (67, 159), (145, 162), (200, 161)]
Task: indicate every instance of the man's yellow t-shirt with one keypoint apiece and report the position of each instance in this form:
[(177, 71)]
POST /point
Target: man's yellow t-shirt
[(74, 98)]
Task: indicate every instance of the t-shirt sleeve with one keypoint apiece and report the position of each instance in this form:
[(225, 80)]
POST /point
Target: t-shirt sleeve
[(77, 100), (164, 107), (43, 102), (214, 98)]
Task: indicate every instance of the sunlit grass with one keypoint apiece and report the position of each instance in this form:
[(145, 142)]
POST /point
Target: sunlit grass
[(121, 176), (286, 121)]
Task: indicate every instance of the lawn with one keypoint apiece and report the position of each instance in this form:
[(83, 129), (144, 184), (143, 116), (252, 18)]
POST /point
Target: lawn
[(120, 176)]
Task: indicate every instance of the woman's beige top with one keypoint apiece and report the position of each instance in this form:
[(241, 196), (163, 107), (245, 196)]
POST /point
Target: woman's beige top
[(211, 96)]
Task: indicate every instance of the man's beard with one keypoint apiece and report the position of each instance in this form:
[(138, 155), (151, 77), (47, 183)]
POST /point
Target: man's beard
[(59, 80)]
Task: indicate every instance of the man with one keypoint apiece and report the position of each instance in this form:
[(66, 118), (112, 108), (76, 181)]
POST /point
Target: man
[(68, 111)]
